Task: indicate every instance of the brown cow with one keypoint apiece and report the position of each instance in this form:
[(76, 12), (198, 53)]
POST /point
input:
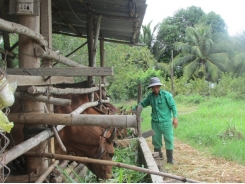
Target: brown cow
[(87, 141)]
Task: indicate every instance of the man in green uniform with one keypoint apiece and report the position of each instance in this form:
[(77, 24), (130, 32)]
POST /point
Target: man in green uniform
[(164, 117)]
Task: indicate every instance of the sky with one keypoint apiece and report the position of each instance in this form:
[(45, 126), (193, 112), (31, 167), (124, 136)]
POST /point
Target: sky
[(232, 11)]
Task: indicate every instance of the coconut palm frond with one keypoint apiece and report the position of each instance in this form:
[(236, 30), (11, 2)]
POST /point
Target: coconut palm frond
[(222, 46), (184, 47), (212, 70), (190, 69), (196, 51), (208, 45), (162, 66), (239, 59), (221, 60), (183, 60)]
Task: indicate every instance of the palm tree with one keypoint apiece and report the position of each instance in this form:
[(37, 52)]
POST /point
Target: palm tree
[(200, 56), (148, 36)]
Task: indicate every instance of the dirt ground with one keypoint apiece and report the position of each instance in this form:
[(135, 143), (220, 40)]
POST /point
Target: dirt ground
[(195, 165)]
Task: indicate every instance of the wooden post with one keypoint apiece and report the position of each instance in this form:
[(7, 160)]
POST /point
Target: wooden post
[(5, 38), (172, 73), (28, 59), (139, 92), (89, 27), (102, 64), (46, 31)]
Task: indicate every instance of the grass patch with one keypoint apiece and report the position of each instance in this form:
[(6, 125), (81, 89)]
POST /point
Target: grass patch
[(217, 127)]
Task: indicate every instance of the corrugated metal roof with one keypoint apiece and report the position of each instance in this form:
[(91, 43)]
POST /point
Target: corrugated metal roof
[(121, 19)]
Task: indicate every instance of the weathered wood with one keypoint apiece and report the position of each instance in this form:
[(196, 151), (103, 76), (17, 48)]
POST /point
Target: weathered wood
[(10, 54), (59, 91), (74, 119), (68, 170), (23, 80), (47, 54), (42, 98), (76, 49), (27, 59), (112, 163), (47, 172), (22, 178), (23, 30), (52, 55), (70, 72), (28, 144), (58, 139), (80, 170), (89, 31), (56, 172), (138, 119)]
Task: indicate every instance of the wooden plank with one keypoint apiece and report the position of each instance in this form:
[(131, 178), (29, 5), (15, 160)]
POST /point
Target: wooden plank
[(38, 80), (69, 72)]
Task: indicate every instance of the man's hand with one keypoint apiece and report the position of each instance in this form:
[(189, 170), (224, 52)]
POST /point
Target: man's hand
[(175, 122)]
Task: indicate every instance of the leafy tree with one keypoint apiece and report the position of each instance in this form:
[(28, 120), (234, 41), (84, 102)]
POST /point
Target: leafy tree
[(215, 21), (128, 64), (173, 29), (200, 56)]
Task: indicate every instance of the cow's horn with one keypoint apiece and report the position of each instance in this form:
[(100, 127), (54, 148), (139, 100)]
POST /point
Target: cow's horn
[(105, 132), (113, 134), (99, 152)]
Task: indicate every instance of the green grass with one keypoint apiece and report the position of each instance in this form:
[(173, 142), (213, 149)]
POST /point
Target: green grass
[(217, 126), (214, 125)]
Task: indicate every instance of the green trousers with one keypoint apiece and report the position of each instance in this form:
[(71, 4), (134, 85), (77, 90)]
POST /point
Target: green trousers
[(163, 129)]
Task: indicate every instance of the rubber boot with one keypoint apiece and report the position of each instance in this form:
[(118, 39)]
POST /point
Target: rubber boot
[(159, 151), (169, 154)]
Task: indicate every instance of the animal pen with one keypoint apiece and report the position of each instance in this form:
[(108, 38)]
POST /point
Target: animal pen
[(99, 21)]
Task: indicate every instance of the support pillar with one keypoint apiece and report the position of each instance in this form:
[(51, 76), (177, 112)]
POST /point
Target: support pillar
[(28, 59)]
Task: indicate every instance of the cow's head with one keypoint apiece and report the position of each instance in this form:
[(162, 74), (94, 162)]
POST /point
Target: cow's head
[(92, 142), (105, 151)]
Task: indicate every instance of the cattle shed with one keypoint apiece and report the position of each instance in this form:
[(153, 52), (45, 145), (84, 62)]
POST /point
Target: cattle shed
[(34, 21)]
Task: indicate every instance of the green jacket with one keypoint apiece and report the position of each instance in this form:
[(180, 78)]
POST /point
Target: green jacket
[(163, 106)]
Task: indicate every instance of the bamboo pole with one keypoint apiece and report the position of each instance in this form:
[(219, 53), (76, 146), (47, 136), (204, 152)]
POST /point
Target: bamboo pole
[(59, 91), (41, 98), (52, 55), (73, 119), (10, 54), (111, 163), (47, 172), (28, 144), (68, 170), (56, 172), (23, 30)]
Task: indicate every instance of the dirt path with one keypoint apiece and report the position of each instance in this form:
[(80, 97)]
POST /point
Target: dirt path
[(196, 165)]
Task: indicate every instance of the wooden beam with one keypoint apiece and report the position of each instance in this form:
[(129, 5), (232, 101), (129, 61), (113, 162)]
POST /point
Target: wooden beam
[(23, 30), (69, 72), (73, 119), (76, 49), (42, 98), (38, 80), (59, 91), (49, 54), (105, 39)]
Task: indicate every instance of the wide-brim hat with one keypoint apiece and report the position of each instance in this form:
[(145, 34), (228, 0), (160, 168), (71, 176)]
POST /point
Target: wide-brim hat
[(155, 81)]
